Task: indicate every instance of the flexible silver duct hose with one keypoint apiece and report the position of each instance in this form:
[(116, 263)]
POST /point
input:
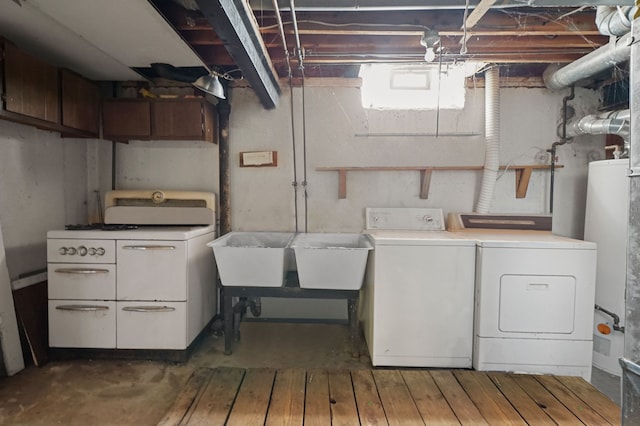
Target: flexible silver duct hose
[(614, 20), (492, 138)]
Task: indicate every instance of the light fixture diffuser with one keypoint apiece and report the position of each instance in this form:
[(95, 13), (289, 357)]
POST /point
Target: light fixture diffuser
[(211, 85)]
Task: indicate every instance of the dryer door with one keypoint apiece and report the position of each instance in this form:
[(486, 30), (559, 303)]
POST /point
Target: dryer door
[(537, 304)]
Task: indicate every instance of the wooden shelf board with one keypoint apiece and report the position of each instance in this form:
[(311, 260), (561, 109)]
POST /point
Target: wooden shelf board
[(522, 175)]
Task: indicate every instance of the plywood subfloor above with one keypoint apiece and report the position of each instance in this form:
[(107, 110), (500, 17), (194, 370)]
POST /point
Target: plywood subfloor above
[(236, 396)]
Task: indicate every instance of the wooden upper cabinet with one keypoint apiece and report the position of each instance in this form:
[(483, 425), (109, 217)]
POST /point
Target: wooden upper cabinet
[(179, 119), (31, 86), (124, 119), (182, 120), (80, 103)]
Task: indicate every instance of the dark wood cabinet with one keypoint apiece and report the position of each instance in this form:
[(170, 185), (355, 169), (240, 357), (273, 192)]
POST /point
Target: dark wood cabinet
[(80, 103), (125, 119), (31, 86), (175, 119), (39, 94)]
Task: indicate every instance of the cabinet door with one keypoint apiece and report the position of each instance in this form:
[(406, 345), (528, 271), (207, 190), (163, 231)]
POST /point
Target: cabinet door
[(31, 85), (151, 270), (80, 103), (152, 325), (126, 119), (179, 120), (82, 324)]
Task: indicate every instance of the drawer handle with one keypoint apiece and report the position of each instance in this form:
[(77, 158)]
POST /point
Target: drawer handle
[(91, 308), (149, 247), (148, 309), (81, 271)]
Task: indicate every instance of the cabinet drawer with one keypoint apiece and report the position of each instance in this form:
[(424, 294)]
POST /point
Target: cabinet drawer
[(152, 325), (152, 270), (82, 281), (82, 324)]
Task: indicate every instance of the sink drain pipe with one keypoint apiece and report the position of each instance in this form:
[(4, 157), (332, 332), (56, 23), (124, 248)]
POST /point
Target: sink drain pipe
[(492, 137)]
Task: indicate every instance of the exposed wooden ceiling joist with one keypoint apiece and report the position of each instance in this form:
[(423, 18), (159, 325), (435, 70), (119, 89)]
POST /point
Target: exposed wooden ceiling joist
[(235, 25), (336, 42)]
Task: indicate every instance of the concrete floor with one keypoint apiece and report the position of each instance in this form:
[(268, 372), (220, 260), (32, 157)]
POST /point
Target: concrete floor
[(100, 392), (119, 392)]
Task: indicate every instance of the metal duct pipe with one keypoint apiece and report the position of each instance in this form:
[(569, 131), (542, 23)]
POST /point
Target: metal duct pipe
[(615, 123), (599, 60), (614, 20), (492, 137)]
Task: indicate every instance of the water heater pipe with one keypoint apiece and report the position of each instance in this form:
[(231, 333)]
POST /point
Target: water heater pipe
[(492, 138)]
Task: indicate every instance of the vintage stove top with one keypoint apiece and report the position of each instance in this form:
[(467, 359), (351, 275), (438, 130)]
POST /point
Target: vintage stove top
[(149, 214)]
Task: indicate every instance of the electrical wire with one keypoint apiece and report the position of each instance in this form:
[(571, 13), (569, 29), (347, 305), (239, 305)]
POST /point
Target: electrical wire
[(463, 49), (293, 143), (304, 155)]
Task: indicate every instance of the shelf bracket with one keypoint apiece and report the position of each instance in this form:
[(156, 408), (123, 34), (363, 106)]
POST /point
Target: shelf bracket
[(425, 181), (523, 175)]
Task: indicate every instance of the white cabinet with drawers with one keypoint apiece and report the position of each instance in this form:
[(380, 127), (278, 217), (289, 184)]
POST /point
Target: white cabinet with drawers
[(147, 288)]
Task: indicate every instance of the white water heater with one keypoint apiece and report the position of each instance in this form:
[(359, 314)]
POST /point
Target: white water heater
[(606, 222)]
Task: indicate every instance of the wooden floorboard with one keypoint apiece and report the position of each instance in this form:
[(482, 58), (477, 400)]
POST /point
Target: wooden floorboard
[(237, 396), (431, 404), (593, 398), (252, 400), (491, 403), (287, 400), (370, 408), (396, 398), (342, 399), (317, 407), (528, 409)]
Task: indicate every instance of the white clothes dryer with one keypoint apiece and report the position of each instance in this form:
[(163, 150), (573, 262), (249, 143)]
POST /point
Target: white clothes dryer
[(533, 303)]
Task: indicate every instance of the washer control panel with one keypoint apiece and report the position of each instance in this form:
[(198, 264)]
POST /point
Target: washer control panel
[(405, 218)]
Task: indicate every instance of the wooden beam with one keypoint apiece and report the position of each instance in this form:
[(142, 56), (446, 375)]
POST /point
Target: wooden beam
[(481, 9), (234, 23)]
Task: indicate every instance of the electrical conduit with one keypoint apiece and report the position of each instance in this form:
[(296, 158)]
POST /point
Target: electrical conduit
[(492, 138)]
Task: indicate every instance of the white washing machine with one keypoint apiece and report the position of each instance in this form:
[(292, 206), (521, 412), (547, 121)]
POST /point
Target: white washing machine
[(534, 303), (417, 300)]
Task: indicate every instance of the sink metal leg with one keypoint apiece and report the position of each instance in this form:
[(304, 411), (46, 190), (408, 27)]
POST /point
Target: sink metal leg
[(228, 324), (352, 307)]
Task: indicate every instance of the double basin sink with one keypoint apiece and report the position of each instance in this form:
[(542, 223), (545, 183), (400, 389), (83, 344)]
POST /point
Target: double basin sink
[(261, 259)]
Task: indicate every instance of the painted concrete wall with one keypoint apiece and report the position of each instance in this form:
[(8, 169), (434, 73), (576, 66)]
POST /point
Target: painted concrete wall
[(337, 131), (43, 186)]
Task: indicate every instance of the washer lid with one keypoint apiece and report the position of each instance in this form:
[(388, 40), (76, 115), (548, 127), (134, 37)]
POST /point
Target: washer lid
[(418, 238), (416, 219)]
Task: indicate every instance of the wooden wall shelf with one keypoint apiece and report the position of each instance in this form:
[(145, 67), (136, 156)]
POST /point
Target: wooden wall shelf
[(523, 175)]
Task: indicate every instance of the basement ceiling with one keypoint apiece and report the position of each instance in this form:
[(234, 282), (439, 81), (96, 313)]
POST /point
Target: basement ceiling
[(109, 40), (335, 42)]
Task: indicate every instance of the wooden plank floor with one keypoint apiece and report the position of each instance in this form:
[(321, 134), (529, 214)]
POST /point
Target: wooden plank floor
[(237, 396)]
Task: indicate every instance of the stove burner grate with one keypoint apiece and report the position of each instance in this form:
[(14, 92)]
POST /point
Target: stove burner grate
[(99, 227)]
